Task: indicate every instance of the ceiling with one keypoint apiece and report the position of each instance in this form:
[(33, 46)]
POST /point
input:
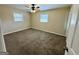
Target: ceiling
[(42, 6)]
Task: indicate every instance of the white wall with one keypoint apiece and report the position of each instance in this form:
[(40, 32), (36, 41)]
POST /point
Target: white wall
[(9, 25), (57, 21), (75, 42), (75, 45), (72, 25), (73, 31), (2, 43)]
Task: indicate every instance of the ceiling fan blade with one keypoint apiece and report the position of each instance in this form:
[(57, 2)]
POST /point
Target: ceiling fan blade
[(38, 7), (28, 5), (33, 5)]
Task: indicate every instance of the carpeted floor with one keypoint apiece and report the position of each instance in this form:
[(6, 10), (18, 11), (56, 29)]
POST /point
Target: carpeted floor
[(34, 42)]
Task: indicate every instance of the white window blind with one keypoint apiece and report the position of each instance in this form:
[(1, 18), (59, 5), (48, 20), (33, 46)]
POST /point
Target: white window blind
[(44, 18), (18, 17)]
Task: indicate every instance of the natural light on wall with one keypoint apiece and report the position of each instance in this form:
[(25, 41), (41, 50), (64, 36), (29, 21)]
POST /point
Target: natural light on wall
[(18, 16), (44, 18)]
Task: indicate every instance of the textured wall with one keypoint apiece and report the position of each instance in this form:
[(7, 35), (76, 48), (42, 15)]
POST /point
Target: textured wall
[(57, 20), (9, 25)]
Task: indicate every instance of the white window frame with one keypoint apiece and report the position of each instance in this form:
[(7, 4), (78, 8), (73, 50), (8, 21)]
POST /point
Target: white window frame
[(44, 16), (18, 17)]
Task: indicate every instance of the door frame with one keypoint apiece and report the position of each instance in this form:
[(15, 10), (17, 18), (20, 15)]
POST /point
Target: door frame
[(72, 29)]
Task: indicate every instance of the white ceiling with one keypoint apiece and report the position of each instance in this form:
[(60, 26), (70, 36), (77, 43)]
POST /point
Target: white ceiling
[(42, 6)]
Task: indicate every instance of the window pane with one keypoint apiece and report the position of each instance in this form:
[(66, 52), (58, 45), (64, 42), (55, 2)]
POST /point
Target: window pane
[(18, 17), (44, 18)]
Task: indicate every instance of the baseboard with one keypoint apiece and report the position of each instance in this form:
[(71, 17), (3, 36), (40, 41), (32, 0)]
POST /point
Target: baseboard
[(37, 29), (50, 32), (70, 52), (4, 53), (15, 31), (74, 53)]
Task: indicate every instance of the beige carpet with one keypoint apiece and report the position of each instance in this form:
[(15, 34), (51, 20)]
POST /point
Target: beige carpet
[(34, 42)]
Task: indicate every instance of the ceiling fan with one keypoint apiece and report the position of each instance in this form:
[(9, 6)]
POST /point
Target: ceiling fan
[(33, 7)]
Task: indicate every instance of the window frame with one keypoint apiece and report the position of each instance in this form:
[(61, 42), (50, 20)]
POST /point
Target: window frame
[(18, 18), (43, 16)]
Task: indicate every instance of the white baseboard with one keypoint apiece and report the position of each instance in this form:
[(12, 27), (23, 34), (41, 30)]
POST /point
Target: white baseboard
[(15, 31), (4, 53), (37, 29), (70, 52), (34, 28), (50, 32), (73, 51)]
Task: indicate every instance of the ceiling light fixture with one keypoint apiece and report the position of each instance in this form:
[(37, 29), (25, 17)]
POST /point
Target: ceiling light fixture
[(33, 7), (33, 11)]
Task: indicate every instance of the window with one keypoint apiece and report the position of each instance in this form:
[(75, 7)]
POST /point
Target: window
[(18, 17), (44, 18)]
